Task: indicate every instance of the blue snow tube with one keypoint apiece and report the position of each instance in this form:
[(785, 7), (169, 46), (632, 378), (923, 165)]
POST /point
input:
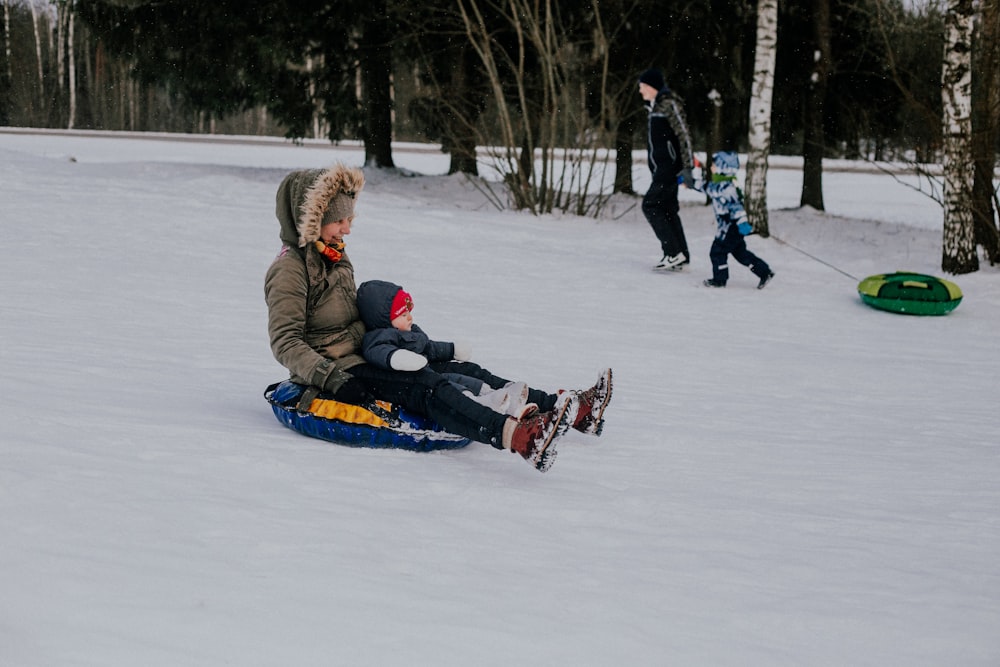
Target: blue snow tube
[(380, 425)]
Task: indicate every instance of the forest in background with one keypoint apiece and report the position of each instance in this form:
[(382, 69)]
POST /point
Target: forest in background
[(882, 98), (856, 79)]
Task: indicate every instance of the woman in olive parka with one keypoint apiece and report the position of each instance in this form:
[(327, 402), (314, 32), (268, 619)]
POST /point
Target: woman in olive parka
[(316, 330)]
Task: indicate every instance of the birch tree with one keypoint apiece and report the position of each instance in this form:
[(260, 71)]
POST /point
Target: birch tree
[(760, 115), (958, 245)]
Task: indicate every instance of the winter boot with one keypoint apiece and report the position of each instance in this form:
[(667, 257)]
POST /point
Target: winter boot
[(712, 282), (534, 437), (765, 279), (593, 401)]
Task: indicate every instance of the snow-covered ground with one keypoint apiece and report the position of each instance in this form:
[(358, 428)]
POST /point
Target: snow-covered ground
[(787, 476)]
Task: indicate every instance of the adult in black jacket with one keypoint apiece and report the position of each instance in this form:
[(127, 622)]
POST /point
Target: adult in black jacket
[(671, 160)]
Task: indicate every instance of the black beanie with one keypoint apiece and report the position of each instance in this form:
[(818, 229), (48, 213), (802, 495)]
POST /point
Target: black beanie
[(652, 77)]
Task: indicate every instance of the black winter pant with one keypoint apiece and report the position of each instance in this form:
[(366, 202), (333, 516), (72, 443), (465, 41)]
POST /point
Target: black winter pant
[(429, 393), (734, 244), (662, 211)]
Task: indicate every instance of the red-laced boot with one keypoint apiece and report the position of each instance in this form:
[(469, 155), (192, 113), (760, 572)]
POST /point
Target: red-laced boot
[(593, 402), (534, 436)]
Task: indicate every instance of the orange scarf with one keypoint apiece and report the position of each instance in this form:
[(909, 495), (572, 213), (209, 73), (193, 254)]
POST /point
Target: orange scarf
[(331, 252)]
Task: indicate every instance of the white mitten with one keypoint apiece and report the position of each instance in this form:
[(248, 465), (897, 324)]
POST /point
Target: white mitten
[(404, 360), (463, 351)]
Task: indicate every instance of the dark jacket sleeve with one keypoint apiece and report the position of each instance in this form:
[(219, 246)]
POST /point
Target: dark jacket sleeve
[(679, 128), (669, 140), (435, 350), (379, 344)]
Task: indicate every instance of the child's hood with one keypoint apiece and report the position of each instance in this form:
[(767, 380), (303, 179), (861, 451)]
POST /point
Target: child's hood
[(375, 302), (726, 163)]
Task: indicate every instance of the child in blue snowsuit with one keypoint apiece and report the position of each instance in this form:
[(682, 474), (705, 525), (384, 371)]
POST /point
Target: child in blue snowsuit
[(731, 218)]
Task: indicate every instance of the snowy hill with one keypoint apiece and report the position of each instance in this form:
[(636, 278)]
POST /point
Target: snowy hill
[(787, 477)]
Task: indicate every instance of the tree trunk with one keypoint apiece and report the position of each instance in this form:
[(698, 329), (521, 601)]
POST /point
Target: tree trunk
[(6, 75), (623, 155), (121, 99), (317, 131), (985, 111), (814, 143), (462, 125), (760, 115), (958, 246), (132, 93), (715, 140), (71, 67), (99, 85), (52, 99), (59, 100), (376, 88), (38, 53), (61, 46), (8, 59)]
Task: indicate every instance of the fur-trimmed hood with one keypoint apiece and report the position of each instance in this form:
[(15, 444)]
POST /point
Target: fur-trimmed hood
[(305, 195)]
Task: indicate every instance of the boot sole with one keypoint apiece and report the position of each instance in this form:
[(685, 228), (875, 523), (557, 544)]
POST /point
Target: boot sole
[(599, 417), (544, 456), (593, 424)]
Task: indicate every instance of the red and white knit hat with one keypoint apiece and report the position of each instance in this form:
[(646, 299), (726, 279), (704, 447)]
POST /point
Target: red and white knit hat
[(400, 304)]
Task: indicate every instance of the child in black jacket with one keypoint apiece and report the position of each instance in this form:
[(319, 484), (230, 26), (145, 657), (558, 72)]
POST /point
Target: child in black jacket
[(393, 341)]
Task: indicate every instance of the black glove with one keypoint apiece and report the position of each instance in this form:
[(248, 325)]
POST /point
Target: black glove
[(354, 391), (686, 177), (336, 378)]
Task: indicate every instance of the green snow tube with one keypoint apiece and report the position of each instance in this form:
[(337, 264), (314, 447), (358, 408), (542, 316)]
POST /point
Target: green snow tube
[(910, 293)]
